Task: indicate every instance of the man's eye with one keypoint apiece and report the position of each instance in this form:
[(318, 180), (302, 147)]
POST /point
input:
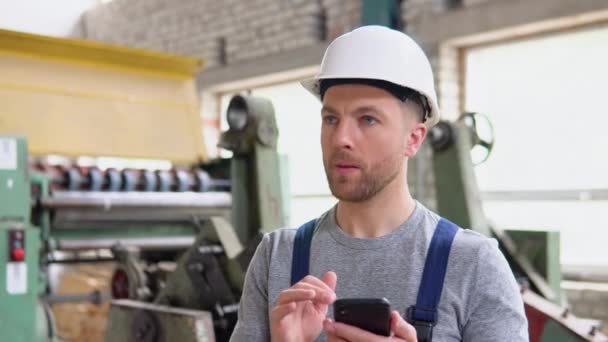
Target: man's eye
[(330, 120), (369, 120)]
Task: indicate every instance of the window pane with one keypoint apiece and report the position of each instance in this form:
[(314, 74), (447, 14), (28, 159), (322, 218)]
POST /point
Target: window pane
[(546, 98)]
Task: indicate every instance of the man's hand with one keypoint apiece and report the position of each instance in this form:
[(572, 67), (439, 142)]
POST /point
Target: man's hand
[(339, 332), (300, 310)]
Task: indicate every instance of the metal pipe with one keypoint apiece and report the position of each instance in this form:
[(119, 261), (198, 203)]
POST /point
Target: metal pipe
[(81, 260), (547, 195), (109, 200), (164, 243), (95, 297)]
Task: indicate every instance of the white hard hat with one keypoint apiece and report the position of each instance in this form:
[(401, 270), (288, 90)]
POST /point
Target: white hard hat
[(379, 53)]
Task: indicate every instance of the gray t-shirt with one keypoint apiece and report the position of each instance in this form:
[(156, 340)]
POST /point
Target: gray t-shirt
[(480, 299)]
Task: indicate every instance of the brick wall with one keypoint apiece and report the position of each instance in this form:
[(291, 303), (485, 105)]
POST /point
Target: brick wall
[(444, 60), (588, 300), (223, 32)]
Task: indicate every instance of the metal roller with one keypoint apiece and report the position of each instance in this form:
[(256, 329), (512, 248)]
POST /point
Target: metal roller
[(149, 181), (129, 180), (113, 180), (202, 181), (73, 179), (164, 181), (95, 179), (182, 183)]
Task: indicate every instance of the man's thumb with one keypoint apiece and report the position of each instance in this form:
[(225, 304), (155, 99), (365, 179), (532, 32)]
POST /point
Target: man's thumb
[(330, 278)]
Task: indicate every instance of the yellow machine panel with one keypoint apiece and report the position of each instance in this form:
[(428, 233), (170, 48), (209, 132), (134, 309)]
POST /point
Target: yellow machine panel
[(81, 98)]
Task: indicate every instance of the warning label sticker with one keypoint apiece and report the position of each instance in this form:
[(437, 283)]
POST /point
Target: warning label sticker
[(16, 278), (8, 154)]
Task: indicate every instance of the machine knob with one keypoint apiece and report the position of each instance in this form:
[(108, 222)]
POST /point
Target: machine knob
[(18, 254)]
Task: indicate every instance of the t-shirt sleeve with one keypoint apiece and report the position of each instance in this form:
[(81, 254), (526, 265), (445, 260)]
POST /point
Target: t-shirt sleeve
[(253, 323), (496, 309)]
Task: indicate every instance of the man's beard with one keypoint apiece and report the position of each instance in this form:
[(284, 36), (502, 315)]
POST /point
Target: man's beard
[(370, 181)]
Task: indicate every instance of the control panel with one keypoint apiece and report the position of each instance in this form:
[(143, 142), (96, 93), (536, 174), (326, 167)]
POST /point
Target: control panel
[(16, 245)]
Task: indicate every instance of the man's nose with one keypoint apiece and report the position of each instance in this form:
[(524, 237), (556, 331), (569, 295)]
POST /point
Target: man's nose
[(344, 134)]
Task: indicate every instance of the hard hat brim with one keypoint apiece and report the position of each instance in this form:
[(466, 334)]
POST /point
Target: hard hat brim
[(312, 85)]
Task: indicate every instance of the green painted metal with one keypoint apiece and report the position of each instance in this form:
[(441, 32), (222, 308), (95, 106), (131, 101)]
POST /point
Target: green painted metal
[(196, 276), (14, 180), (136, 321), (19, 311), (269, 193), (285, 188), (243, 218), (381, 12), (19, 306), (457, 193), (555, 332), (45, 326), (179, 288), (267, 168), (258, 198), (542, 249), (41, 218)]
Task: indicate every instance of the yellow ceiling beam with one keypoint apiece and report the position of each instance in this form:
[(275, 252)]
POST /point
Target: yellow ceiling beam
[(99, 54)]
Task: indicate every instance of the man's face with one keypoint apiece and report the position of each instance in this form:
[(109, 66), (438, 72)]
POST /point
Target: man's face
[(365, 139)]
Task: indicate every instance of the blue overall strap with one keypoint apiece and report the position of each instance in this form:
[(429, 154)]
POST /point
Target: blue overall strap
[(301, 251), (423, 315)]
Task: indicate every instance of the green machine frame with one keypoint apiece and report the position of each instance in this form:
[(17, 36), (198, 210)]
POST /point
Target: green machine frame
[(40, 213), (532, 255), (23, 314)]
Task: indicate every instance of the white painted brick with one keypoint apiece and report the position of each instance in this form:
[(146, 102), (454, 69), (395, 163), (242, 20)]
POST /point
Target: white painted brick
[(600, 311), (270, 21), (582, 309)]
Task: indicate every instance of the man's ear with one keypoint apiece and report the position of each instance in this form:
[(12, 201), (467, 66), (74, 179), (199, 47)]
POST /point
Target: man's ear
[(415, 138)]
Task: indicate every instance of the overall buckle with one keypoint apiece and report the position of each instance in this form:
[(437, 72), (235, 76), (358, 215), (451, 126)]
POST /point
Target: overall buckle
[(423, 320)]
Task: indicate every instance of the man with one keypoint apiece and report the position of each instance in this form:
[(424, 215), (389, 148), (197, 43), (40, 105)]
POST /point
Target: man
[(379, 101)]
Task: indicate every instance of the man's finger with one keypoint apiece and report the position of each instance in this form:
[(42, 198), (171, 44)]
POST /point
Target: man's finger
[(334, 338), (321, 294), (281, 311), (349, 333), (330, 278), (316, 281), (295, 295), (330, 336), (401, 328)]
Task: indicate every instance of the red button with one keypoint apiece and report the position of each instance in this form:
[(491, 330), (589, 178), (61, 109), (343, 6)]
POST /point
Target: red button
[(18, 254)]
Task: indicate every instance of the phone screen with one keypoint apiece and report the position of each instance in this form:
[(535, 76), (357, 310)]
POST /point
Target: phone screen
[(371, 314)]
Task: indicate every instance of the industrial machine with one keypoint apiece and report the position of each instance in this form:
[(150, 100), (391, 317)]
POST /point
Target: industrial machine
[(532, 255), (206, 278), (181, 236), (182, 239)]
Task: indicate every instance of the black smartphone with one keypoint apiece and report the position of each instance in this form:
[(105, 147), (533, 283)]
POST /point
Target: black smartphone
[(371, 314)]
